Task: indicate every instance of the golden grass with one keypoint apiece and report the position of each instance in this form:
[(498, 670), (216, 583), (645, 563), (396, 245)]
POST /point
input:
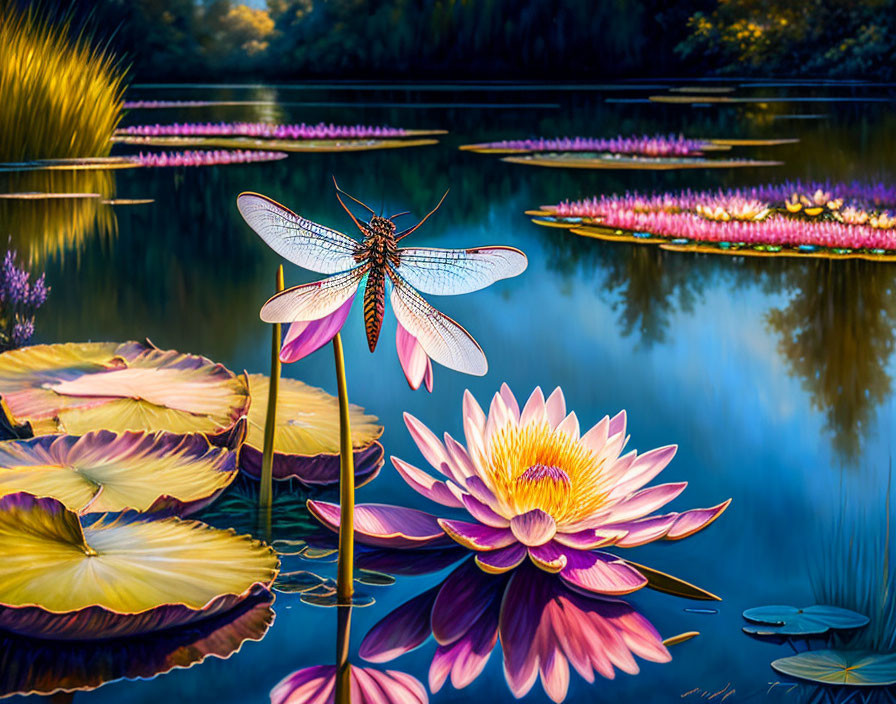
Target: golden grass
[(60, 95)]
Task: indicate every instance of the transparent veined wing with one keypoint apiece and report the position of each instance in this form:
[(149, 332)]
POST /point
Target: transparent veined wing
[(313, 301), (448, 272), (305, 243), (442, 339)]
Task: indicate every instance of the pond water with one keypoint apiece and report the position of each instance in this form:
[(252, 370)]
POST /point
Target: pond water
[(774, 377)]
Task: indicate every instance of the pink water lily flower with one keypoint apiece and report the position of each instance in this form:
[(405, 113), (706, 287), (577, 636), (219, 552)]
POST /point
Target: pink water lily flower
[(534, 486)]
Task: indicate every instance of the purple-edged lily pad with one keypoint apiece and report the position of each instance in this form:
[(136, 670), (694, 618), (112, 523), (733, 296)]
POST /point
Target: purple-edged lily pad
[(108, 472), (78, 387), (118, 577), (306, 444), (32, 666), (807, 621)]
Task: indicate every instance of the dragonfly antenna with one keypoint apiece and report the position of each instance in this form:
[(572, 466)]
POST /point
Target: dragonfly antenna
[(409, 231), (348, 195)]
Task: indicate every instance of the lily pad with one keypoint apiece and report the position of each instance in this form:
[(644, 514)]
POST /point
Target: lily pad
[(856, 668), (307, 436), (807, 621), (130, 575), (32, 666), (78, 387), (108, 472)]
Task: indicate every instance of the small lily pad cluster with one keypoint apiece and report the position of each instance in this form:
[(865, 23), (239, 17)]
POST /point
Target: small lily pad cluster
[(829, 666)]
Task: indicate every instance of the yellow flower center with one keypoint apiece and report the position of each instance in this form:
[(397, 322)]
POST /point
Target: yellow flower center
[(535, 466)]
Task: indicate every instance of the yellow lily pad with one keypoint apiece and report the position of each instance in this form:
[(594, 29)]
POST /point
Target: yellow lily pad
[(118, 577), (108, 472), (306, 444), (74, 388)]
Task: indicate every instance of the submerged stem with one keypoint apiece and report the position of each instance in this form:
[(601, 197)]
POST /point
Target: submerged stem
[(343, 668), (345, 565), (266, 490)]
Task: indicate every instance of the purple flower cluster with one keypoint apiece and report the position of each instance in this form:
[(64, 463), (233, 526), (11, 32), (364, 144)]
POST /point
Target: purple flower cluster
[(265, 130), (19, 299), (133, 104), (206, 158), (656, 145), (740, 216)]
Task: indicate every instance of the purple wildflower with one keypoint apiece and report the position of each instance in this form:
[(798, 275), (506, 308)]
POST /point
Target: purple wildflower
[(19, 299)]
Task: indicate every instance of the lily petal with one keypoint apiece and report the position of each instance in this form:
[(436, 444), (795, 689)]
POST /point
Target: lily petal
[(482, 513), (380, 525), (503, 560), (476, 536), (644, 502), (415, 363), (597, 572), (533, 528), (402, 630), (534, 411), (305, 337), (427, 442), (642, 470), (689, 522), (425, 485), (555, 407)]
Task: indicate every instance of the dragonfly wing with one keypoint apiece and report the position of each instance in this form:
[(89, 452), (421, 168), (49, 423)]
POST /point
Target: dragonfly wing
[(312, 301), (442, 339), (305, 243), (447, 272)]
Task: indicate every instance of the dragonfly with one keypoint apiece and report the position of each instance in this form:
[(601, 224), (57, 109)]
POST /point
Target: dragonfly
[(377, 263)]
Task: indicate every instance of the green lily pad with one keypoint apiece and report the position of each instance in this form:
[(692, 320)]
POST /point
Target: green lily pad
[(856, 668), (808, 621)]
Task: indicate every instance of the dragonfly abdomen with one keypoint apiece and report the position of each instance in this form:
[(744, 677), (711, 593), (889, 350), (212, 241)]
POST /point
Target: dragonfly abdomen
[(374, 304)]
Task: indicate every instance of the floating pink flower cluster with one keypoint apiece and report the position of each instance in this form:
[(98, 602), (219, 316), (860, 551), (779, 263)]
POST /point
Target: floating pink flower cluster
[(657, 145), (700, 216), (265, 130), (134, 104), (206, 158)]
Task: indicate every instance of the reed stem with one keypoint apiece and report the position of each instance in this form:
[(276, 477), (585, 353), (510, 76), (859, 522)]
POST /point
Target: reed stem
[(343, 668), (345, 565), (266, 490)]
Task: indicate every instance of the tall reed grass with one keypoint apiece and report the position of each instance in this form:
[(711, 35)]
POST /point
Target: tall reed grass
[(857, 570), (60, 95)]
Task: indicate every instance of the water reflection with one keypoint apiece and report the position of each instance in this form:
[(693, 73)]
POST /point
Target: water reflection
[(30, 666), (837, 335), (44, 228), (544, 627)]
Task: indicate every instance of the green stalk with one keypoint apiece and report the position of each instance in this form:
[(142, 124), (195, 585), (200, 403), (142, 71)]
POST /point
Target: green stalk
[(343, 668), (266, 491), (345, 565)]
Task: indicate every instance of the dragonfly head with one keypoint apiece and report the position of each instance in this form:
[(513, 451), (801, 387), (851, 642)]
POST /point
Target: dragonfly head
[(383, 227)]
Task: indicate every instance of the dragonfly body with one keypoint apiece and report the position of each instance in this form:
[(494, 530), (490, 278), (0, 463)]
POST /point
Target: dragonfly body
[(378, 251), (374, 261)]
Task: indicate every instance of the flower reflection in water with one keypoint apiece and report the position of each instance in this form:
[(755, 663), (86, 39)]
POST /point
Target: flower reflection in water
[(544, 627)]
